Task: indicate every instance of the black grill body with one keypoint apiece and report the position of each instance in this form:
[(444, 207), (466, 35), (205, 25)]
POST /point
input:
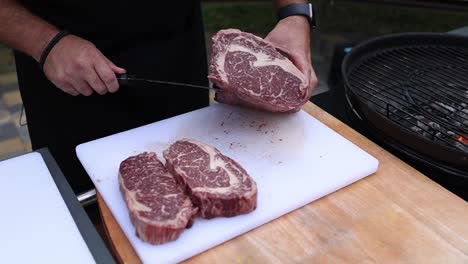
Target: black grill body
[(411, 91)]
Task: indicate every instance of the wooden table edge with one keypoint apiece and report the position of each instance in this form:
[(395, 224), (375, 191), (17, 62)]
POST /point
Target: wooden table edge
[(125, 252)]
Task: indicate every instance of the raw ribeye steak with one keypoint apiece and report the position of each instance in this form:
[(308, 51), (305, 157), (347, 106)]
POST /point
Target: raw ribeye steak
[(217, 185), (158, 207), (252, 72)]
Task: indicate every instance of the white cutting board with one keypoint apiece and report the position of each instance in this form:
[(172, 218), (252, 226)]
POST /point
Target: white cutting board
[(294, 159), (36, 226)]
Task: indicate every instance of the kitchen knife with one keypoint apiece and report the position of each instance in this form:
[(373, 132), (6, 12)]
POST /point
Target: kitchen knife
[(126, 80)]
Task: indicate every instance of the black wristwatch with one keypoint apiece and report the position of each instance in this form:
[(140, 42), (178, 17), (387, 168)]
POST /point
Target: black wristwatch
[(302, 9)]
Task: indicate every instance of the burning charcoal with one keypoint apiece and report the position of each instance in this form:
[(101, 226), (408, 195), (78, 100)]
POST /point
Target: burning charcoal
[(416, 129), (434, 125), (422, 125), (443, 108), (461, 146)]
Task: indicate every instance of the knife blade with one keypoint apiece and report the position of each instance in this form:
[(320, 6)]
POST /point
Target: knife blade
[(126, 79)]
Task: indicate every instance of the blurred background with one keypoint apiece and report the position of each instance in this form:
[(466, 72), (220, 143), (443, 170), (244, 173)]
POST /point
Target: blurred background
[(339, 23)]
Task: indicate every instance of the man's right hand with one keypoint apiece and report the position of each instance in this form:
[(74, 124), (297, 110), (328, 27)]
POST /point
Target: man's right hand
[(76, 66)]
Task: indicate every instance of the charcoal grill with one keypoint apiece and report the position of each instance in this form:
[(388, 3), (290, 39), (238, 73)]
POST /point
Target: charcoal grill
[(411, 89)]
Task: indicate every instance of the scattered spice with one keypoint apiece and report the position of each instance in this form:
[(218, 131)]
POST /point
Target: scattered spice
[(279, 162), (280, 139), (222, 123)]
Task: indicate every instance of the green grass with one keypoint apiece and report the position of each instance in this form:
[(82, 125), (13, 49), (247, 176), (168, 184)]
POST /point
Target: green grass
[(346, 18), (251, 17)]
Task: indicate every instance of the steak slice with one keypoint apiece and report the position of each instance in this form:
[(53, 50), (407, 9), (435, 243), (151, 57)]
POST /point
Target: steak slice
[(217, 185), (158, 207), (252, 72)]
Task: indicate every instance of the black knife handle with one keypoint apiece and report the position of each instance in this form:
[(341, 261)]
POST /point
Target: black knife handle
[(122, 78)]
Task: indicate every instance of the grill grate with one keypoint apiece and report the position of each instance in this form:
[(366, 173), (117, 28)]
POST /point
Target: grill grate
[(423, 89)]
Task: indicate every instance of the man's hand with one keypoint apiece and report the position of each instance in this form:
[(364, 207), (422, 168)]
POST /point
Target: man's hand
[(292, 36), (76, 66)]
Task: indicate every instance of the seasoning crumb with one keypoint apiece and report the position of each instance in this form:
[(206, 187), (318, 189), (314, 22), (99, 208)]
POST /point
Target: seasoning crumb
[(271, 141), (99, 180), (279, 162), (216, 138), (222, 123), (266, 132), (280, 139)]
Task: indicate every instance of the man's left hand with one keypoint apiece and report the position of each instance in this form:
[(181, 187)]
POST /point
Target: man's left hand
[(292, 36)]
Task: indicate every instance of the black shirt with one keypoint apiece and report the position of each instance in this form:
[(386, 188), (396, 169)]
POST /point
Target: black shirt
[(117, 23)]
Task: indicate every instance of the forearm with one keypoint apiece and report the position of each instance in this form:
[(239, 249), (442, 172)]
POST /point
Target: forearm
[(22, 30), (281, 3)]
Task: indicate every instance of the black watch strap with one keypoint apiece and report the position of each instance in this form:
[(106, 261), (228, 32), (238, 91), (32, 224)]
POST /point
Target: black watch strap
[(304, 9)]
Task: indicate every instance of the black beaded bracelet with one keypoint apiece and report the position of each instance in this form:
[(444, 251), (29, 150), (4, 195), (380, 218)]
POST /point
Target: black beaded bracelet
[(49, 47)]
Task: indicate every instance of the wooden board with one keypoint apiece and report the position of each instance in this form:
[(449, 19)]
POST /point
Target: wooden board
[(395, 215), (279, 151)]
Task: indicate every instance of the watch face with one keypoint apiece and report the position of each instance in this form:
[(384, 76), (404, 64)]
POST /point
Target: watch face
[(311, 12), (304, 9)]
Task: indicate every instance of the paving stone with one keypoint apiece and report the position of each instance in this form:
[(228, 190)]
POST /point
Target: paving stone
[(8, 78), (8, 131), (15, 108), (8, 88), (5, 117), (12, 98), (15, 118), (11, 147)]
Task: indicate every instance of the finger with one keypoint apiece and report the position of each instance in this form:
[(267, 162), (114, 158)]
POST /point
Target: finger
[(113, 67), (94, 81), (66, 87), (70, 90), (82, 87), (106, 75)]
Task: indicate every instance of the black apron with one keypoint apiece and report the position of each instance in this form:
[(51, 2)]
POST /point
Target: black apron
[(148, 38)]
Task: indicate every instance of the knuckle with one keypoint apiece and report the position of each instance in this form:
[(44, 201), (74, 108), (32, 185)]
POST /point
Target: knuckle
[(113, 88), (78, 63), (108, 78), (60, 77), (90, 52), (100, 89), (86, 92)]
